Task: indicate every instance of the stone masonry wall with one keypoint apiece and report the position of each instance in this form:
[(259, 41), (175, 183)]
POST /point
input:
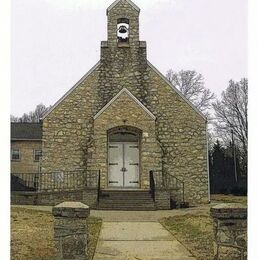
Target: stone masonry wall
[(230, 231), (71, 230), (68, 131), (182, 134), (125, 108), (88, 196)]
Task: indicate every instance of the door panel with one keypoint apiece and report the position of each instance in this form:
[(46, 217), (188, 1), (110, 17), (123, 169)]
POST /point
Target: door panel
[(115, 162), (131, 162)]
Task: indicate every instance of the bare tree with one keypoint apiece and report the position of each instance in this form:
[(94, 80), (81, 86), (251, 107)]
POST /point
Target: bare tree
[(191, 85), (33, 116), (14, 118), (231, 114)]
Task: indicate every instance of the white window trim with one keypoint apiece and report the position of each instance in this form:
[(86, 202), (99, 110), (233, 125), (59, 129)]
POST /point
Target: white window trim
[(15, 160)]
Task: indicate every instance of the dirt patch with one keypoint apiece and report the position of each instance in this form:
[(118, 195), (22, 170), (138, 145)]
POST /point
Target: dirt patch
[(195, 232), (32, 234)]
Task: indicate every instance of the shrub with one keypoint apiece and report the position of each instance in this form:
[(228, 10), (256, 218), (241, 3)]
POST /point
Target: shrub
[(239, 191)]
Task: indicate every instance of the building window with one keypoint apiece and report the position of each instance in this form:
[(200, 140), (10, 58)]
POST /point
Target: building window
[(15, 155), (37, 155)]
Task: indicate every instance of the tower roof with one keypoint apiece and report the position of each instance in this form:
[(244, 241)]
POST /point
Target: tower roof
[(118, 1)]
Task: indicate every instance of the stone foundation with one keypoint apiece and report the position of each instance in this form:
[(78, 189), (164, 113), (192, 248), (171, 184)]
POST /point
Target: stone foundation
[(23, 198), (230, 231), (88, 196)]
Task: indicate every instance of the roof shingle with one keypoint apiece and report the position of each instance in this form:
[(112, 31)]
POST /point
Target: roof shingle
[(26, 131)]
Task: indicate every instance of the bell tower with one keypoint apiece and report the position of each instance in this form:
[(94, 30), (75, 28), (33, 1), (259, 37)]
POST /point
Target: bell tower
[(123, 62), (123, 24)]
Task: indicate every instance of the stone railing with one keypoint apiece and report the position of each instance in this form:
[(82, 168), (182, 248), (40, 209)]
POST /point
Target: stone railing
[(230, 231), (70, 230)]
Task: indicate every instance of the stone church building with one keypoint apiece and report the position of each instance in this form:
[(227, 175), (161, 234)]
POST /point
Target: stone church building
[(127, 122)]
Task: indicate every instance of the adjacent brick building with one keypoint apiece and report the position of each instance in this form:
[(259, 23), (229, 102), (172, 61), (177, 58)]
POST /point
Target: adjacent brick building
[(124, 119)]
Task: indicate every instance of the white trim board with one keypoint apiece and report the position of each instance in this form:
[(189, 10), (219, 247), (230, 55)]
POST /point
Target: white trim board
[(128, 1), (175, 89), (124, 90), (70, 90)]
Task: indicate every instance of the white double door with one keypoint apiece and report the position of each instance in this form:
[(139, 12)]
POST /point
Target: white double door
[(123, 163)]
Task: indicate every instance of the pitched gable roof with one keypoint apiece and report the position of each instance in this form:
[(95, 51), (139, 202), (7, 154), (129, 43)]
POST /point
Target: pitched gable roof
[(26, 131), (70, 90), (176, 90), (124, 90), (118, 1)]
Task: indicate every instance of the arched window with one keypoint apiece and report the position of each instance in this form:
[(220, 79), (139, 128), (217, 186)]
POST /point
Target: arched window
[(123, 30)]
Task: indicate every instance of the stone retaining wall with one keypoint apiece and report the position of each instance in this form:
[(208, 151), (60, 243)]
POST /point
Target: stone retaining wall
[(53, 198)]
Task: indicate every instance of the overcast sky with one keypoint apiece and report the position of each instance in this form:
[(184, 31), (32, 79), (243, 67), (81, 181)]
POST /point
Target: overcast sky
[(55, 42)]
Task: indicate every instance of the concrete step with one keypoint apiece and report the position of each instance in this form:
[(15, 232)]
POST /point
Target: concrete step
[(125, 205), (116, 203), (126, 200), (127, 209), (129, 202), (127, 194), (133, 208)]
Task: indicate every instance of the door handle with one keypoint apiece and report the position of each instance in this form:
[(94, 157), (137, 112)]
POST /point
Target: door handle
[(124, 169)]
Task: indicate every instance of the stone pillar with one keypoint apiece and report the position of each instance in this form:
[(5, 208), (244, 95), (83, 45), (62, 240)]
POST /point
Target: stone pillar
[(162, 199), (230, 231), (70, 230)]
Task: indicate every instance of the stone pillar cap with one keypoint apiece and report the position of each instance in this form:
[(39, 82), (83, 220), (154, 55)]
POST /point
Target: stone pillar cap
[(71, 209), (229, 210)]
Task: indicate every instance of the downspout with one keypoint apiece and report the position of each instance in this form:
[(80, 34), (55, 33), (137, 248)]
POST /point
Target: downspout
[(208, 161)]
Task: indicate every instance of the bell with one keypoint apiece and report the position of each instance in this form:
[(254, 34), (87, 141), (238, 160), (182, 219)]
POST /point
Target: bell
[(122, 29)]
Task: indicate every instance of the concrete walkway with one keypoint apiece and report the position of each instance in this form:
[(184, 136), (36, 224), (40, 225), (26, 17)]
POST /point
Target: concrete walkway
[(137, 235), (133, 216), (139, 241)]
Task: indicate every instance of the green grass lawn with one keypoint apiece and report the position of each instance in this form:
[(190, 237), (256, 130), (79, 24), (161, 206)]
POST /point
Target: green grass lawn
[(32, 234), (195, 231), (228, 198)]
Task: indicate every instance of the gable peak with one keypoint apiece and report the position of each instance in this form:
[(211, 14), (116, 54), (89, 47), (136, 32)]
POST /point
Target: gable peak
[(127, 92), (119, 1)]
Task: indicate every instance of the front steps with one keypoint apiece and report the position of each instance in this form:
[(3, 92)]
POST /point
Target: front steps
[(126, 200)]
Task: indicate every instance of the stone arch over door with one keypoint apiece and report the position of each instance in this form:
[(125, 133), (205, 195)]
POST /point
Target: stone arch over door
[(124, 111)]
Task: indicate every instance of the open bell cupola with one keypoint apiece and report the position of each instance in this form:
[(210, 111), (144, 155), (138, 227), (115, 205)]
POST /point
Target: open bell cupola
[(123, 24)]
